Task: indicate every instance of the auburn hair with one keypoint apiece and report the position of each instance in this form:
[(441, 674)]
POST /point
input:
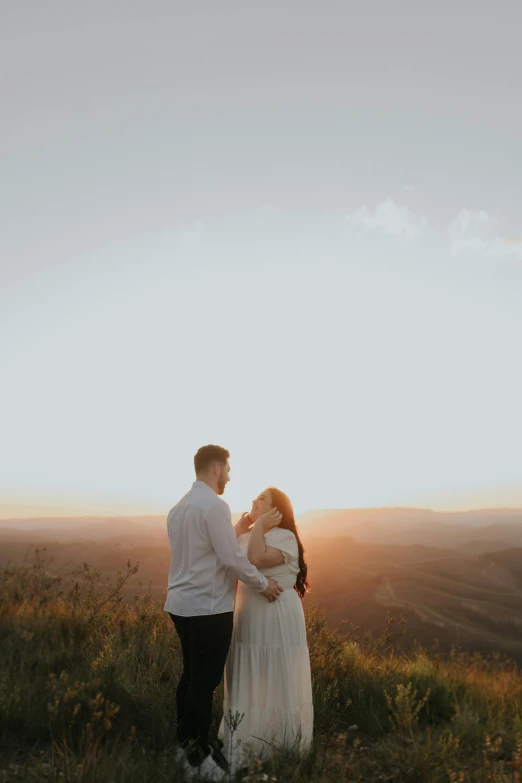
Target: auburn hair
[(283, 504)]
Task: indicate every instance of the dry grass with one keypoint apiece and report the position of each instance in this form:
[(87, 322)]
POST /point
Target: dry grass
[(87, 687)]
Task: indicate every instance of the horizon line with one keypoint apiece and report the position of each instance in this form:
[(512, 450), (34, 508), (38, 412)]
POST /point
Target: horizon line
[(309, 511)]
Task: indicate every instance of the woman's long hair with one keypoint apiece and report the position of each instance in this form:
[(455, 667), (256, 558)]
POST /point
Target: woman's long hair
[(283, 504)]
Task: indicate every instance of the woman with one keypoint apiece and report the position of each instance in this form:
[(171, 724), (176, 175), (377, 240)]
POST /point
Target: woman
[(267, 675)]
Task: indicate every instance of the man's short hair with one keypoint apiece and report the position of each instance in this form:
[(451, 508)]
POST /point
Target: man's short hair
[(208, 454)]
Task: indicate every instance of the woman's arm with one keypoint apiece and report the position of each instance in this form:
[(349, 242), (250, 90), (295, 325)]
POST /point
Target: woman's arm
[(259, 554)]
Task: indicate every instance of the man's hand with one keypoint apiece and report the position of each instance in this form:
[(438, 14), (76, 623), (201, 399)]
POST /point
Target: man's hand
[(272, 591), (243, 525)]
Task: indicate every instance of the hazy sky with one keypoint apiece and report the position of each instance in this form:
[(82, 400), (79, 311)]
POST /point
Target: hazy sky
[(294, 229)]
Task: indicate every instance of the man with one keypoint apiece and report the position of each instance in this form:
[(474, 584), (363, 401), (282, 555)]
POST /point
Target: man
[(206, 560)]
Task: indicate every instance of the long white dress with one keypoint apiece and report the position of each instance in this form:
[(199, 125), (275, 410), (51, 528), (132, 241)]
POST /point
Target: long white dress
[(267, 674)]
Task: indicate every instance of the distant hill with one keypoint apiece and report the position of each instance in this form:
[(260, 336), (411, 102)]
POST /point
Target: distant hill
[(456, 576), (394, 525), (449, 594), (486, 528), (91, 528), (346, 520), (442, 593)]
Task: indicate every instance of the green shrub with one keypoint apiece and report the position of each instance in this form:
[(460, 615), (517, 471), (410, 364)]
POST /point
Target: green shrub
[(87, 685)]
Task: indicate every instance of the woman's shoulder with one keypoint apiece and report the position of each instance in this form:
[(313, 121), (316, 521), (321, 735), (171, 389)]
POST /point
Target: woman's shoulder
[(286, 542), (281, 533), (282, 539)]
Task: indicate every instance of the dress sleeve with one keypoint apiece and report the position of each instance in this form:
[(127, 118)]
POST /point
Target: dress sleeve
[(286, 542)]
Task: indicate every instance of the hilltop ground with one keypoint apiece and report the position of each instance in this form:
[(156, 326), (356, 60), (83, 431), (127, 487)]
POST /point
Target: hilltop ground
[(87, 683)]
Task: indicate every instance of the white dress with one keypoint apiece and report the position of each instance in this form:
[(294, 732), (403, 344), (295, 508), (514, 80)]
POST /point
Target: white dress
[(267, 674)]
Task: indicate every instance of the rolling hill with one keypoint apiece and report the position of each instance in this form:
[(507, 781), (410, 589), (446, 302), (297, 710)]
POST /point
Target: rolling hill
[(454, 577)]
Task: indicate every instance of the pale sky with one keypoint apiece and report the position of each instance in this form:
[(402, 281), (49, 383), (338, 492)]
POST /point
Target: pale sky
[(293, 229)]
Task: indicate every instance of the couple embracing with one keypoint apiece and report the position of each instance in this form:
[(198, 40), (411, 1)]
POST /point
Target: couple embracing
[(260, 641)]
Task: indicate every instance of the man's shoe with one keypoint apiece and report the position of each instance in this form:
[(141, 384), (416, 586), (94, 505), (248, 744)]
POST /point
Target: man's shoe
[(182, 761), (210, 770)]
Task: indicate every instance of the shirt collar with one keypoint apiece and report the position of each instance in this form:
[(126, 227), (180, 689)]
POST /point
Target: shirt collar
[(204, 485)]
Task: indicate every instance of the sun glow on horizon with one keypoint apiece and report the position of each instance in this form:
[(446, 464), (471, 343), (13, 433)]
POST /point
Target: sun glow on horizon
[(68, 505)]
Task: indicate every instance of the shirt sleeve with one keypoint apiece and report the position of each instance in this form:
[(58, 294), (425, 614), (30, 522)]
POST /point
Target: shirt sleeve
[(224, 541)]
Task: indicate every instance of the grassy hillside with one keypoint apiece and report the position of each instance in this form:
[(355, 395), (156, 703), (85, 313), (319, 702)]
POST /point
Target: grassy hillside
[(446, 596), (87, 685)]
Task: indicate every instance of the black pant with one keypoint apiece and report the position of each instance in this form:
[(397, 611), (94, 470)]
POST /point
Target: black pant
[(204, 642)]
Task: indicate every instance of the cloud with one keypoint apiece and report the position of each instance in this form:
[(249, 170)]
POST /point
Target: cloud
[(476, 231), (389, 217), (473, 222)]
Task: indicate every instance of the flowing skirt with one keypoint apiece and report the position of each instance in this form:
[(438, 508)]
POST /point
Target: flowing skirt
[(268, 689)]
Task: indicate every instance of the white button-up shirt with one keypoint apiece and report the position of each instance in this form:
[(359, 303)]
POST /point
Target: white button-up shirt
[(206, 558)]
